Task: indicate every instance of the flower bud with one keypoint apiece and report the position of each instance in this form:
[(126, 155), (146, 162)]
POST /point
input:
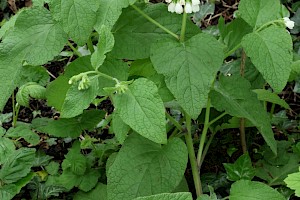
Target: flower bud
[(289, 23), (178, 8), (188, 7), (171, 7)]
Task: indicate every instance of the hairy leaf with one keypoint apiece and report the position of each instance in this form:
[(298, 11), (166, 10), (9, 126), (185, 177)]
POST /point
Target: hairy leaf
[(30, 90), (293, 182), (189, 70), (246, 190), (233, 95), (266, 95), (168, 196), (144, 168), (142, 109), (271, 54), (25, 132), (18, 46)]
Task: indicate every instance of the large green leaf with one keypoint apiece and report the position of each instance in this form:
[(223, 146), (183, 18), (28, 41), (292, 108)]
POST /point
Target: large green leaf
[(134, 34), (71, 127), (23, 131), (17, 165), (19, 45), (143, 110), (98, 193), (6, 147), (266, 95), (109, 12), (168, 196), (78, 17), (257, 12), (271, 54), (144, 168), (251, 190), (189, 68), (233, 94), (293, 182)]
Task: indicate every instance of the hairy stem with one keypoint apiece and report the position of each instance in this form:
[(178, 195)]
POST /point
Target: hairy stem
[(204, 133), (154, 22), (183, 27), (192, 156), (242, 120), (74, 49)]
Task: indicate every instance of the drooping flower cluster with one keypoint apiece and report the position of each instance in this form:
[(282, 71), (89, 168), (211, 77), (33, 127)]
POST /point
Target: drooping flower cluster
[(180, 6)]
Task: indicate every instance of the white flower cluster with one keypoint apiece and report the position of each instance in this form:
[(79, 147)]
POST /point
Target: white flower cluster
[(188, 6), (288, 23)]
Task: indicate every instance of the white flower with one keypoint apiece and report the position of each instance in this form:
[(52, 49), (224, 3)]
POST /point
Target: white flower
[(289, 23), (178, 8), (171, 7), (188, 7), (195, 2), (168, 1), (195, 8), (182, 2)]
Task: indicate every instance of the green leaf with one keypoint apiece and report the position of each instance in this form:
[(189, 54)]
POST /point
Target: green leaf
[(134, 34), (189, 70), (168, 196), (257, 12), (266, 95), (49, 40), (89, 180), (105, 44), (9, 25), (71, 127), (30, 90), (142, 109), (120, 129), (98, 193), (25, 132), (271, 54), (75, 161), (7, 192), (246, 190), (52, 168), (37, 74), (77, 100), (144, 168), (17, 165), (78, 17), (293, 182), (6, 147), (233, 95), (109, 12), (241, 169)]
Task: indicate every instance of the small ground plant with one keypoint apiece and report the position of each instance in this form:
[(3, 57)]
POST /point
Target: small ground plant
[(171, 87)]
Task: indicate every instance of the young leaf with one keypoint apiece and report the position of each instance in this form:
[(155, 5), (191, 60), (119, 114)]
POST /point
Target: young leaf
[(18, 46), (233, 95), (142, 109), (271, 54), (257, 12), (134, 34), (168, 196), (74, 14), (30, 90), (293, 182), (52, 168), (241, 169), (266, 95), (109, 12), (37, 74), (144, 168), (245, 190), (189, 70), (105, 44), (17, 165)]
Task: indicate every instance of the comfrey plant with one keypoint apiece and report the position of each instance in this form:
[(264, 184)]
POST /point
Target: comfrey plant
[(163, 75)]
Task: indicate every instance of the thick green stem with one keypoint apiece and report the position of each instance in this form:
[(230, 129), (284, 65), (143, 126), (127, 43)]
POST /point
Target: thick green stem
[(207, 147), (204, 133), (176, 124), (192, 156), (74, 49), (183, 27), (90, 45), (154, 22)]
